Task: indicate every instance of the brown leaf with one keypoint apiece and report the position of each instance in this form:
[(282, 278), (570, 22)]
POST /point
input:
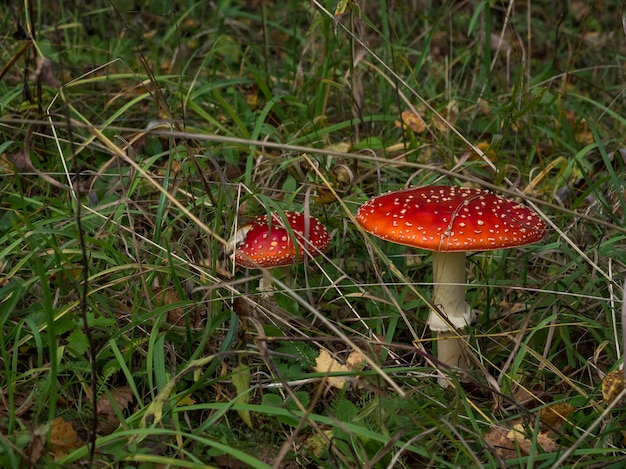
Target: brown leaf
[(44, 73), (63, 437), (518, 435), (547, 443), (504, 447), (483, 107), (107, 418), (23, 164), (521, 395), (510, 443), (242, 307), (122, 396), (22, 402), (21, 161), (37, 445), (66, 276), (448, 116), (175, 316)]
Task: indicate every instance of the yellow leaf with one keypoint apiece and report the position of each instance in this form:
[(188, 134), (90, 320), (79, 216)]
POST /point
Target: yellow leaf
[(324, 363), (339, 147), (323, 196), (612, 384), (317, 443), (412, 121), (341, 7), (555, 414), (488, 152), (185, 400), (354, 360), (154, 411)]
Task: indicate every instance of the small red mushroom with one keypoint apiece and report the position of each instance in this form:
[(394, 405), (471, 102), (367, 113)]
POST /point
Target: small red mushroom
[(268, 244), (450, 221)]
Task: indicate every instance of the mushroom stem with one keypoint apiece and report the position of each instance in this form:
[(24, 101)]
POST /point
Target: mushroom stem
[(449, 297), (450, 352), (266, 283)]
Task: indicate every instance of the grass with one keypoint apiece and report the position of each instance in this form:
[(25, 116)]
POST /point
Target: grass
[(129, 339)]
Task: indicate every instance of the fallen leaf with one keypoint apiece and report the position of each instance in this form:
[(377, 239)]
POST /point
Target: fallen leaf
[(318, 443), (108, 419), (37, 443), (63, 437), (323, 196), (582, 132), (555, 414), (154, 411), (448, 117), (122, 396), (412, 121), (354, 360), (498, 42), (518, 435), (251, 95), (185, 400), (521, 395), (324, 363), (67, 275), (44, 73), (513, 442), (339, 147), (20, 160), (190, 24), (488, 152), (504, 447), (613, 384), (483, 106), (175, 316)]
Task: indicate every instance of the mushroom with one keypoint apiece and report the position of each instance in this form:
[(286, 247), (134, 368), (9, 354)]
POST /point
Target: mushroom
[(268, 244), (450, 221)]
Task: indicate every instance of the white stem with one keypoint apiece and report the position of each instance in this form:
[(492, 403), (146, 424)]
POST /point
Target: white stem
[(266, 284), (449, 298), (449, 292)]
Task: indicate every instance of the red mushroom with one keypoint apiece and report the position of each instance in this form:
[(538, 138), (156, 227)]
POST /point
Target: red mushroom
[(265, 243), (450, 221)]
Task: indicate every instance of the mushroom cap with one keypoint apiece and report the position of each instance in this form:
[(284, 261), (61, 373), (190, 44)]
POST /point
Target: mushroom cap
[(270, 244), (448, 218)]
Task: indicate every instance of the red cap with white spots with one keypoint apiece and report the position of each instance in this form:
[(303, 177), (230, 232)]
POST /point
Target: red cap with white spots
[(265, 244), (444, 218)]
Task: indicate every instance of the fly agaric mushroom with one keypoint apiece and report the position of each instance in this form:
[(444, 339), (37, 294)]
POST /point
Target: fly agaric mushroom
[(450, 221), (268, 244)]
